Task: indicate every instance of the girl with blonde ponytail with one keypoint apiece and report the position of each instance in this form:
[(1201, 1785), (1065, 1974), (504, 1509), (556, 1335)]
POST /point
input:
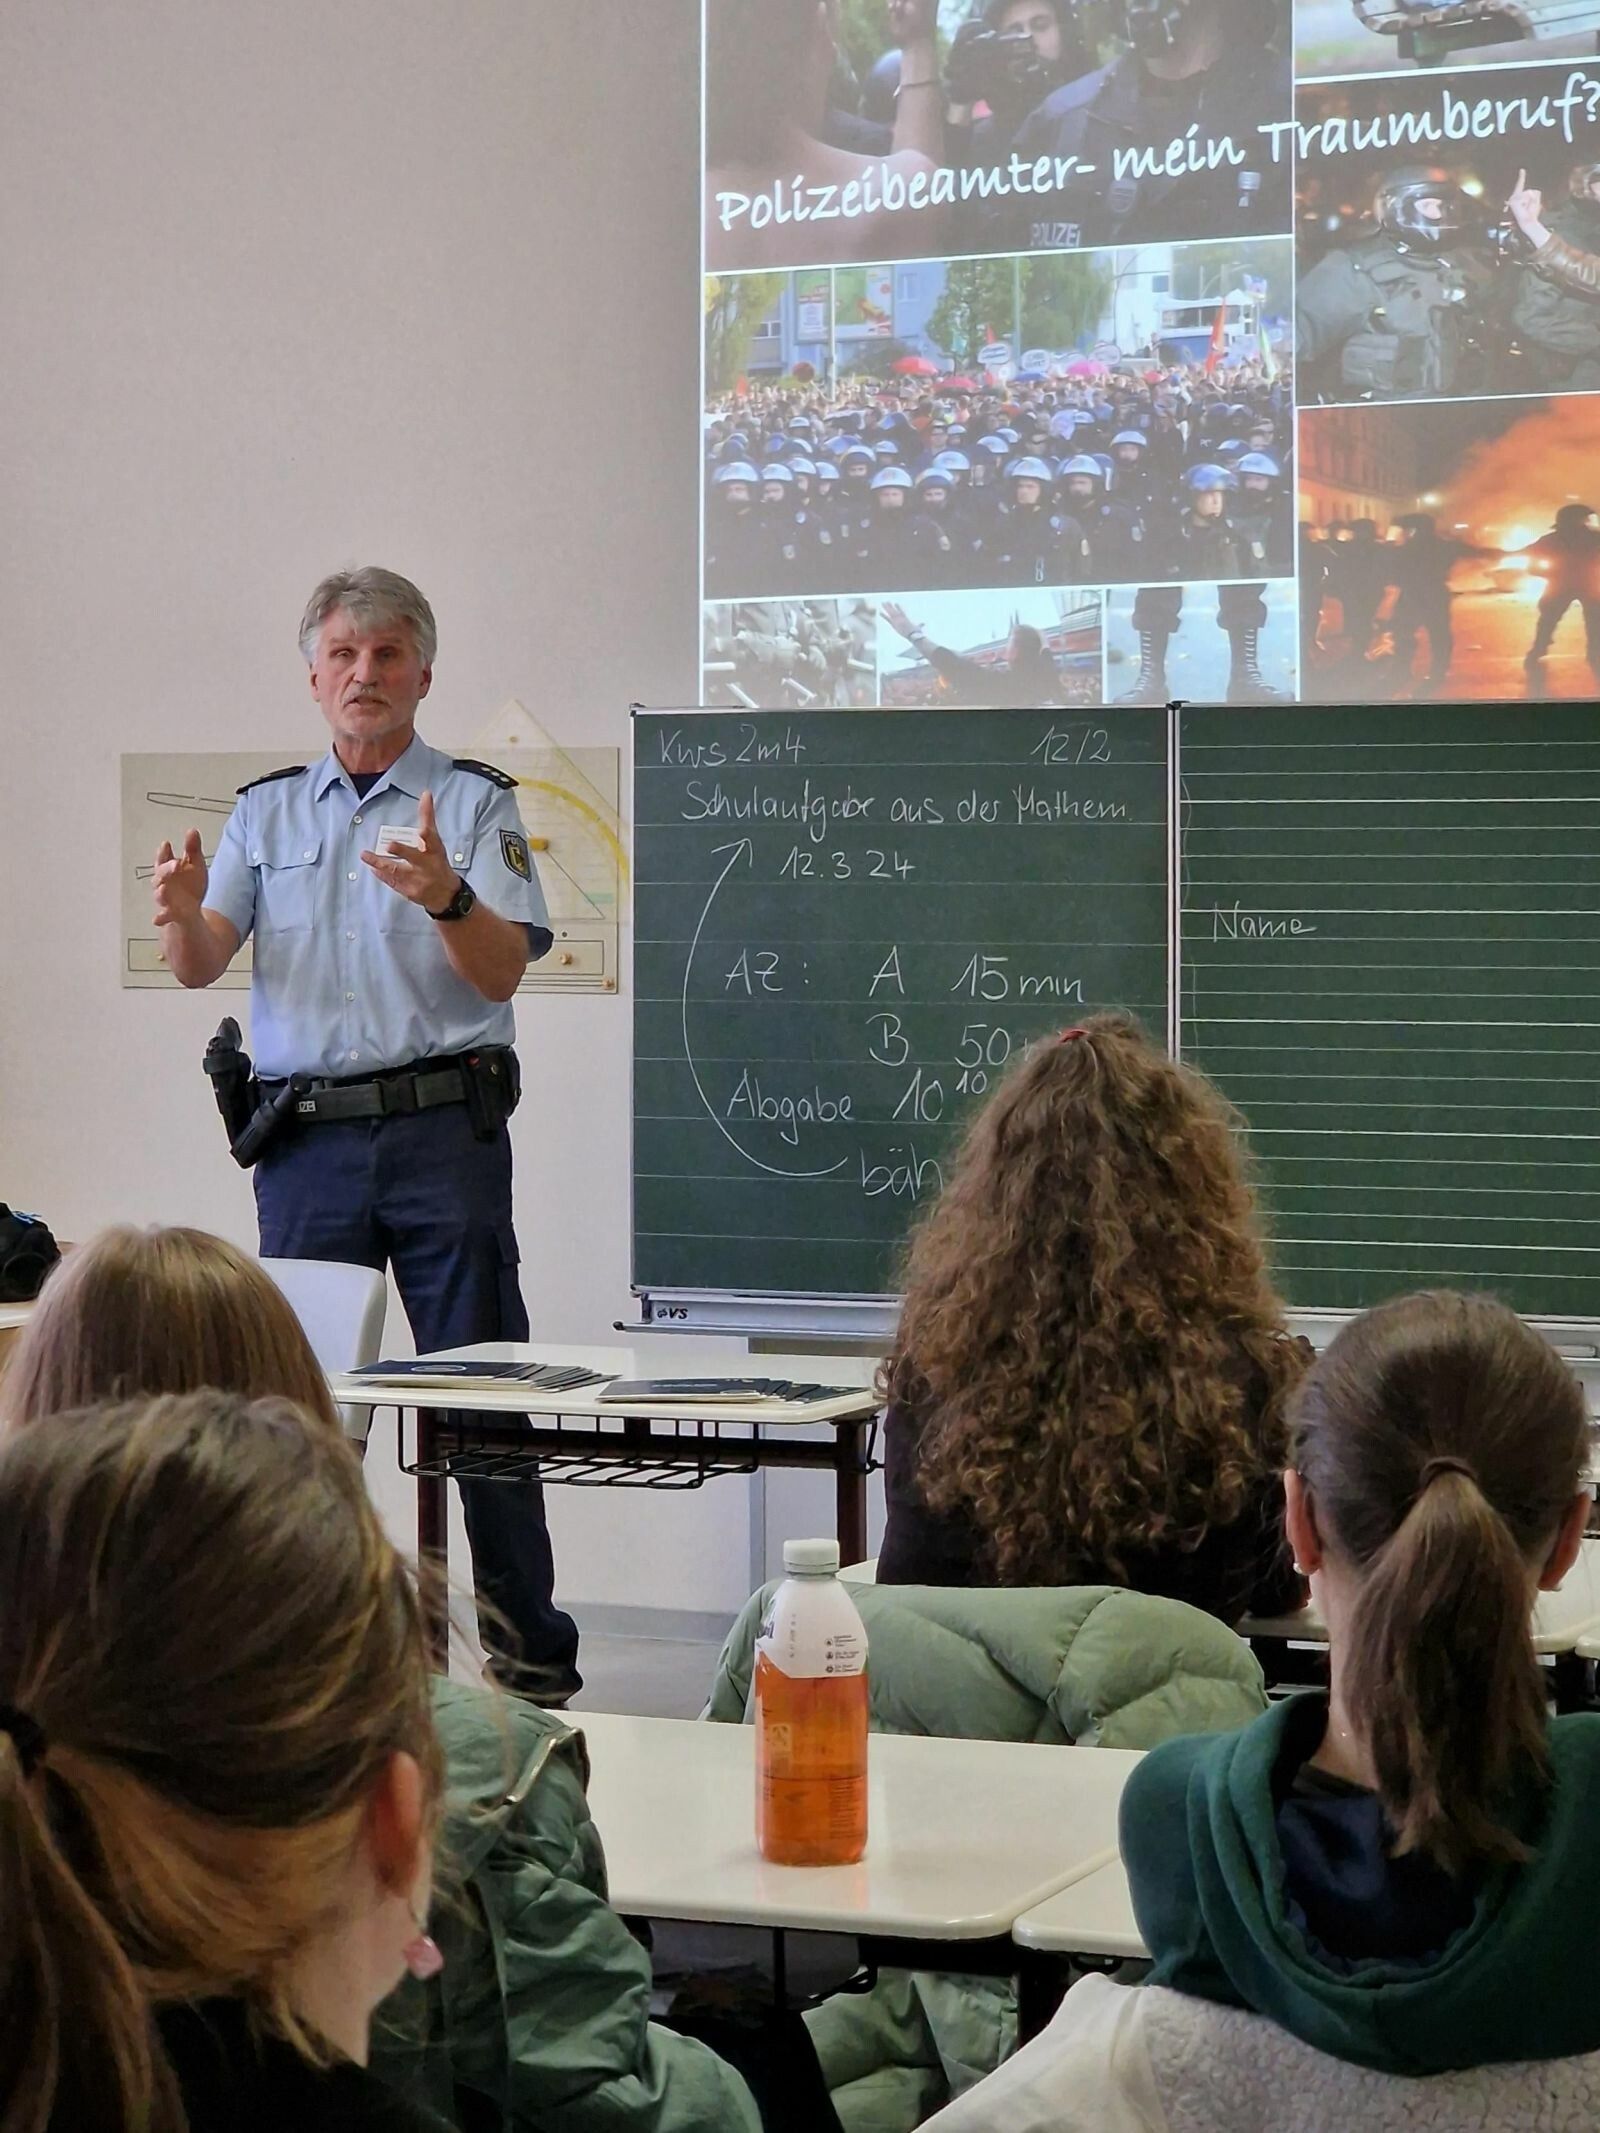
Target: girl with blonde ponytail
[(1405, 1871), (218, 1775)]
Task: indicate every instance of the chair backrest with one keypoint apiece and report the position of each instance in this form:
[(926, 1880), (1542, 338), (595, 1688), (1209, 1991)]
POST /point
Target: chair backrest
[(341, 1309), (1087, 1663), (1217, 2067), (1141, 2059)]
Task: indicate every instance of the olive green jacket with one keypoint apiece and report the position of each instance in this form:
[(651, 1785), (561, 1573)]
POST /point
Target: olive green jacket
[(539, 2021)]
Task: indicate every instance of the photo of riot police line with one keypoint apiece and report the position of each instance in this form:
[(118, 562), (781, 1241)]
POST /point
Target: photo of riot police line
[(883, 468), (1451, 551), (790, 655), (853, 130), (1379, 36), (1023, 651), (1201, 644), (1474, 270)]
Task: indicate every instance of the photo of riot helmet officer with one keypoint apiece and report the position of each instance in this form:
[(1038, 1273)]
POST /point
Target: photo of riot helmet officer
[(1261, 512), (1218, 67), (1113, 525), (736, 546), (1397, 315), (1001, 66)]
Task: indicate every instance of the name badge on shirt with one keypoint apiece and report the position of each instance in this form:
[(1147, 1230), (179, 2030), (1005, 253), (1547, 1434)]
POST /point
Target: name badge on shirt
[(392, 834)]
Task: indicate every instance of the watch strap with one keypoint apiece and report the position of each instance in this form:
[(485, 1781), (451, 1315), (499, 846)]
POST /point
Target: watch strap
[(458, 906)]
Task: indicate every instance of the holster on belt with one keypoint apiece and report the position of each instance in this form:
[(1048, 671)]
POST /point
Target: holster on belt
[(251, 1118)]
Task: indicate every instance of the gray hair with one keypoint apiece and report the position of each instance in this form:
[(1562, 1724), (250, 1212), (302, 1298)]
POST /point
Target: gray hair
[(370, 597)]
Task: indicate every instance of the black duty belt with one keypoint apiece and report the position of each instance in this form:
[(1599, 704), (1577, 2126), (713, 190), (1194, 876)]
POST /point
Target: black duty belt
[(395, 1093)]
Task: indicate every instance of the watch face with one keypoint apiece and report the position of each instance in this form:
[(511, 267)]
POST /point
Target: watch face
[(458, 906)]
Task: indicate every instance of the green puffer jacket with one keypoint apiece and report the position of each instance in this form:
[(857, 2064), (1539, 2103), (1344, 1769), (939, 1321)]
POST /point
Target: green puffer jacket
[(539, 2021), (1090, 1665)]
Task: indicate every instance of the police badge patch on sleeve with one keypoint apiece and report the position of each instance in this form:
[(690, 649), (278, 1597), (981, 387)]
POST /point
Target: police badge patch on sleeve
[(514, 851)]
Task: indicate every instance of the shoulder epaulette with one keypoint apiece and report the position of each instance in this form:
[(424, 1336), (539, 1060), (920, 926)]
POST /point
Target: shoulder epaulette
[(270, 777), (502, 778)]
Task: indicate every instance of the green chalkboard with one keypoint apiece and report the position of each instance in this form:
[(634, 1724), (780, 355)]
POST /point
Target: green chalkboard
[(844, 924), (1391, 961)]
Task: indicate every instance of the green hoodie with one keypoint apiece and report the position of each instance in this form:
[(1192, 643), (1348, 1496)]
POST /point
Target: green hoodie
[(1199, 1839)]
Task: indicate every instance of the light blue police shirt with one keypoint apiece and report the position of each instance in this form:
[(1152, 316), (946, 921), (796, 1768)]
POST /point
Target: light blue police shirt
[(349, 976)]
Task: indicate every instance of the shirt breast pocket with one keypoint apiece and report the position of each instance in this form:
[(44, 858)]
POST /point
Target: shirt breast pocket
[(286, 882)]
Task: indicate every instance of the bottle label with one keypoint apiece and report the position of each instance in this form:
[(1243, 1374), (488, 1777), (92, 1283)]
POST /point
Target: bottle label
[(809, 1651)]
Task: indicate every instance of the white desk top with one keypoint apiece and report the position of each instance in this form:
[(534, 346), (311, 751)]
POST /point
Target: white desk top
[(852, 1374), (963, 1835), (1561, 1619), (14, 1315), (1093, 1916)]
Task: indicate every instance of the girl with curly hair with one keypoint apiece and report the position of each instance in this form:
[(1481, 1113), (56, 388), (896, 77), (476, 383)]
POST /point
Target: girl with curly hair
[(1088, 1380)]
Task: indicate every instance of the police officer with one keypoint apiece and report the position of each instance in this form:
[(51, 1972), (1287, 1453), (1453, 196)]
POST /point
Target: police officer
[(787, 536), (1030, 544), (1204, 543), (1394, 316), (1261, 515), (382, 973), (1241, 614), (1113, 527), (734, 542), (1556, 308), (854, 515), (1132, 479), (1219, 66), (906, 548), (948, 552), (1569, 555), (1000, 68), (1421, 568)]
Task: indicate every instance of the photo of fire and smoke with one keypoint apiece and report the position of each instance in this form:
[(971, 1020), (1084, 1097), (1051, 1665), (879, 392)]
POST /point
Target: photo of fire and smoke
[(1450, 551)]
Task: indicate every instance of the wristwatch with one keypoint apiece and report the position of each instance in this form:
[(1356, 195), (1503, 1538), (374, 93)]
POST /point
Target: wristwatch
[(458, 906)]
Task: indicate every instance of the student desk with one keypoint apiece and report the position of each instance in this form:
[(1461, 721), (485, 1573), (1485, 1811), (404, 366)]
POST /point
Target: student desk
[(963, 1837), (1090, 1924), (516, 1433), (1562, 1621)]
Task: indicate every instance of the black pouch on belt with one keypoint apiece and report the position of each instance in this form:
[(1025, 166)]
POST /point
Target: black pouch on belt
[(493, 1082)]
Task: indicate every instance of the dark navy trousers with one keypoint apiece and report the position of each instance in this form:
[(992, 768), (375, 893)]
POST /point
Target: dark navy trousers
[(421, 1194)]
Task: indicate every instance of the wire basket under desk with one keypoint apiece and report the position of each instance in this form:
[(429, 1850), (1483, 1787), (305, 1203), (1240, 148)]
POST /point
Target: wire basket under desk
[(666, 1453)]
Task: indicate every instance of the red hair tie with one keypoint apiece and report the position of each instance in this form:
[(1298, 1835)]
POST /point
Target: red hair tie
[(1067, 1035)]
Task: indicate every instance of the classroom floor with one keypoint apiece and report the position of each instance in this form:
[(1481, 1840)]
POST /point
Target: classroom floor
[(649, 1677)]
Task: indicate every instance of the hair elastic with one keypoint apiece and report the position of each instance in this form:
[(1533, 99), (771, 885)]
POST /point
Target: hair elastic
[(1067, 1035), (1433, 1468), (27, 1735)]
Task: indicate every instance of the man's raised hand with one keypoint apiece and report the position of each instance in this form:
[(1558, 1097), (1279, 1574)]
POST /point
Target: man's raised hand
[(426, 877), (179, 882)]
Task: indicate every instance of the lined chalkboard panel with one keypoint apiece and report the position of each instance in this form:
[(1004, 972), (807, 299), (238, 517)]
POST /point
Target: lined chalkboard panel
[(845, 924), (1391, 961)]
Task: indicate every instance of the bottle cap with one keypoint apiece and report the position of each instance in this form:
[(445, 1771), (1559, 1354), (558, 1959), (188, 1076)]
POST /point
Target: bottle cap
[(819, 1558)]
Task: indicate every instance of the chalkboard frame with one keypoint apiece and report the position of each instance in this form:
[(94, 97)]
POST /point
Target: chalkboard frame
[(865, 1321)]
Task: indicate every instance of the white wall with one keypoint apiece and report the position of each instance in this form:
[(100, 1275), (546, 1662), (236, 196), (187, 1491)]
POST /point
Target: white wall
[(288, 287)]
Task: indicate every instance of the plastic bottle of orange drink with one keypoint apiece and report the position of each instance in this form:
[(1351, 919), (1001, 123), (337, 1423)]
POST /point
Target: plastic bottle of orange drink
[(811, 1715)]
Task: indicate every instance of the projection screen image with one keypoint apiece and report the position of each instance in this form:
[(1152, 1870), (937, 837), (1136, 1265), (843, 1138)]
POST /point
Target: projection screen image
[(1205, 350)]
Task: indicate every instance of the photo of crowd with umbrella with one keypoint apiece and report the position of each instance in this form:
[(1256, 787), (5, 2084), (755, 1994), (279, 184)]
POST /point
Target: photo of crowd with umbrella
[(1060, 424)]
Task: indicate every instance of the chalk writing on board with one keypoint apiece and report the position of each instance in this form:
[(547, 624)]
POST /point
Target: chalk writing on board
[(1238, 924), (735, 854)]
